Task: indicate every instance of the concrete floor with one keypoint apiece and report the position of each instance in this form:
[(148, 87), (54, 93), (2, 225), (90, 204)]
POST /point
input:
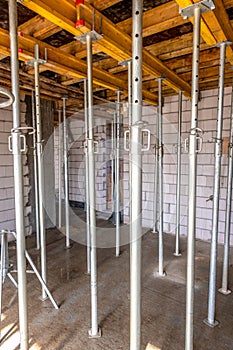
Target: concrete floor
[(163, 300)]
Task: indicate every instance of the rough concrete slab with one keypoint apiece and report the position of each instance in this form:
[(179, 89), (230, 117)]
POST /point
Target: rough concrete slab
[(163, 300)]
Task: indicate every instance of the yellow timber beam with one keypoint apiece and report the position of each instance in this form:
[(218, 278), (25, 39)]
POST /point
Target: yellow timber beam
[(206, 34), (67, 65), (103, 4), (226, 28), (119, 46), (115, 43), (39, 28), (215, 22), (156, 20), (58, 61)]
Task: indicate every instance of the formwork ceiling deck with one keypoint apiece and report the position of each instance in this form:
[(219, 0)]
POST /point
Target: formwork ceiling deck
[(167, 46)]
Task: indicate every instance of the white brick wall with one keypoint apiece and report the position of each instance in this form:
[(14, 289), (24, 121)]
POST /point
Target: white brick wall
[(207, 121), (77, 162), (7, 205), (205, 169)]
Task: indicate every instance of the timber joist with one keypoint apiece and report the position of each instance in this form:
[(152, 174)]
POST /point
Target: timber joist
[(39, 28), (215, 25), (49, 89), (118, 45), (155, 20), (115, 43), (167, 42), (72, 67), (62, 63)]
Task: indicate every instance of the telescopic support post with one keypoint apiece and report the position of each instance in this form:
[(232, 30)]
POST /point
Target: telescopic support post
[(60, 143), (18, 180), (160, 176), (35, 175), (129, 64), (192, 184), (88, 38), (155, 199), (66, 175), (193, 11), (210, 321), (225, 270), (136, 178), (178, 181), (113, 164), (36, 62), (95, 331), (117, 184), (87, 179)]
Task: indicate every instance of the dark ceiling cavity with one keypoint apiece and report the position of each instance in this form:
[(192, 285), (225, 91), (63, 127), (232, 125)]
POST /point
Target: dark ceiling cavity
[(168, 34), (123, 9), (230, 13), (49, 74), (24, 14), (59, 39), (97, 57)]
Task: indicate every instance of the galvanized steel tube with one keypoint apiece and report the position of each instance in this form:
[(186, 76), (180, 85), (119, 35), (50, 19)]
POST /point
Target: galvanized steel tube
[(66, 176), (87, 177), (59, 169), (136, 178), (217, 174), (130, 92), (225, 271), (35, 175), (178, 179), (18, 180), (113, 165), (117, 184), (41, 280), (155, 199), (40, 171), (94, 331), (115, 162), (192, 182), (130, 122), (160, 174)]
